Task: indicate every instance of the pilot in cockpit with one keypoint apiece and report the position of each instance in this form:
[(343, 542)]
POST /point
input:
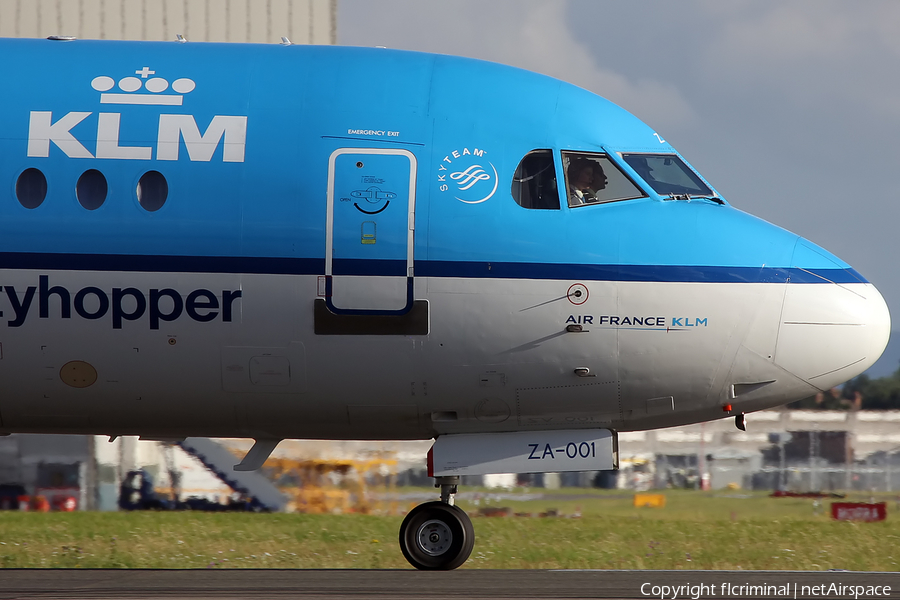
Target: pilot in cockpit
[(642, 168), (586, 178)]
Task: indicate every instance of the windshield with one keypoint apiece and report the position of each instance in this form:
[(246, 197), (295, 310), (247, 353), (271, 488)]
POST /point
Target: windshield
[(592, 178), (667, 174)]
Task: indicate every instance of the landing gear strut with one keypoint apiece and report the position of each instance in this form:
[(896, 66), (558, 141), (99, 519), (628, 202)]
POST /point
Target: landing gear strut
[(438, 535)]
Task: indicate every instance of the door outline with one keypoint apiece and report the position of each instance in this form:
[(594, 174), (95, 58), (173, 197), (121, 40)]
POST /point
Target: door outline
[(410, 230)]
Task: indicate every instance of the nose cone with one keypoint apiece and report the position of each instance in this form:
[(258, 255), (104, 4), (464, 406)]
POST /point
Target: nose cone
[(834, 323)]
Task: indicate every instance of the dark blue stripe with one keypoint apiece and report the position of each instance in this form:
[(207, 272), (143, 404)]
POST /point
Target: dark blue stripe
[(164, 264), (837, 275), (424, 268), (653, 273)]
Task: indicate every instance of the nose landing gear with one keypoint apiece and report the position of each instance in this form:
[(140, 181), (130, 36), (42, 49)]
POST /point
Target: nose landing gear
[(438, 535)]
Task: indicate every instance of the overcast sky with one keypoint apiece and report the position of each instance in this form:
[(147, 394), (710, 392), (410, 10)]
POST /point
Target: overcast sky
[(790, 109)]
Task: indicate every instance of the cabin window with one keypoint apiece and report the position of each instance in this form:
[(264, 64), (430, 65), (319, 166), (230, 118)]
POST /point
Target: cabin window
[(91, 189), (593, 178), (152, 190), (534, 182), (667, 174), (31, 188)]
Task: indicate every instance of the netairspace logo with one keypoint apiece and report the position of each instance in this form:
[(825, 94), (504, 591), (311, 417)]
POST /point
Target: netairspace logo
[(787, 590)]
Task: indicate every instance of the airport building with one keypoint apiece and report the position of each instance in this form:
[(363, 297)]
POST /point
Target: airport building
[(799, 450), (795, 450), (78, 472), (257, 21), (86, 472)]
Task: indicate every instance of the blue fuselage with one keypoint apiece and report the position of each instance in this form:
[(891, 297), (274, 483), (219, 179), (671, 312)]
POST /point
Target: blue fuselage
[(211, 194)]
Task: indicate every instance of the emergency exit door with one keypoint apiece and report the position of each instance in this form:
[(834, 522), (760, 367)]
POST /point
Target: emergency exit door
[(369, 231)]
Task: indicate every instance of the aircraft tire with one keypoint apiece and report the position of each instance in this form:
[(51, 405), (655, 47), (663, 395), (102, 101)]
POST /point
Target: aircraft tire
[(436, 537)]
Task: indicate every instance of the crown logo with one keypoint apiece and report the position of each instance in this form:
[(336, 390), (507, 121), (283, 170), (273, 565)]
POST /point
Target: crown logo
[(156, 86)]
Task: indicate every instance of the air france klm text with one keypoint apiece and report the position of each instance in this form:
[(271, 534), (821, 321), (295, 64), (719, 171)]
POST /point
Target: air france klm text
[(619, 321)]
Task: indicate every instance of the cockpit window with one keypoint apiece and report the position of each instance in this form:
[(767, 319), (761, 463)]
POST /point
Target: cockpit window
[(668, 175), (593, 178), (534, 182)]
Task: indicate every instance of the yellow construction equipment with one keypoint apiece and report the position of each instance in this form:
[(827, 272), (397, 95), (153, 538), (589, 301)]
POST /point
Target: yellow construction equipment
[(336, 486)]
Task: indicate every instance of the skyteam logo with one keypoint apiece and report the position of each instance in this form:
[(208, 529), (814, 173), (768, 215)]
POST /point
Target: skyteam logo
[(140, 89), (468, 175)]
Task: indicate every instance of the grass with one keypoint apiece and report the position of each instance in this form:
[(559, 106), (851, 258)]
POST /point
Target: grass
[(695, 530)]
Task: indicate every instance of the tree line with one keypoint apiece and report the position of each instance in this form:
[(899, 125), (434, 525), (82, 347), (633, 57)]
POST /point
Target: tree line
[(860, 393)]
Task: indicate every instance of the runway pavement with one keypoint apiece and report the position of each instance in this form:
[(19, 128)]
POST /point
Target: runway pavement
[(464, 583)]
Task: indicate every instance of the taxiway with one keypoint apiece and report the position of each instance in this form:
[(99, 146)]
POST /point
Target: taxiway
[(464, 583)]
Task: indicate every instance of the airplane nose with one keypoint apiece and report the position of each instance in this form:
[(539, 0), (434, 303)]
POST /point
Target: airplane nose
[(834, 323)]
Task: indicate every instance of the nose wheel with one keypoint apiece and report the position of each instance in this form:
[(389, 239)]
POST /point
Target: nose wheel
[(437, 536)]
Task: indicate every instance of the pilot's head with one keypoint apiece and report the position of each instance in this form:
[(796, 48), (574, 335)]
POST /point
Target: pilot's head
[(585, 174)]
